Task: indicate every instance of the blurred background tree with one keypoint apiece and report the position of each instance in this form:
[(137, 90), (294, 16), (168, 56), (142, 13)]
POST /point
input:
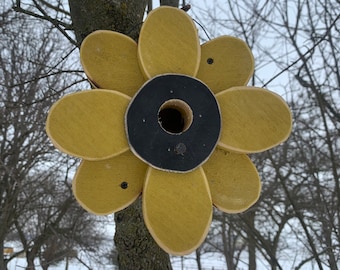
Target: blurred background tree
[(37, 207)]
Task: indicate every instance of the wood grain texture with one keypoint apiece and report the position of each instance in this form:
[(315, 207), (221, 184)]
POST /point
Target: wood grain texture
[(233, 180), (168, 43), (253, 119), (225, 62), (89, 124), (177, 209), (110, 61), (107, 186)]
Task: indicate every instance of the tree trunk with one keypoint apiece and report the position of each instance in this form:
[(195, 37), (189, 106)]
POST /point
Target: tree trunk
[(3, 262), (251, 240), (173, 3), (198, 259), (30, 256), (124, 16), (136, 248)]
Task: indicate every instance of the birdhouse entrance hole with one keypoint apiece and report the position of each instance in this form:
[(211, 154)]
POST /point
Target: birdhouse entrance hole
[(175, 116)]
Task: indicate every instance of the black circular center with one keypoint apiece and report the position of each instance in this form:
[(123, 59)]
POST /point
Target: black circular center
[(171, 120), (173, 123)]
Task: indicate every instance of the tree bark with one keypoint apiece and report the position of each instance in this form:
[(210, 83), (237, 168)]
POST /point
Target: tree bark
[(136, 248), (124, 16)]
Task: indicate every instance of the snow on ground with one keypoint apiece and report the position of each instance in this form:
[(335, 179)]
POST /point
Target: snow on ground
[(209, 262)]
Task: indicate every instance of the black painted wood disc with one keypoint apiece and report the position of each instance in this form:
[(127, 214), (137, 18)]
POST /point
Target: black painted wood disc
[(173, 123)]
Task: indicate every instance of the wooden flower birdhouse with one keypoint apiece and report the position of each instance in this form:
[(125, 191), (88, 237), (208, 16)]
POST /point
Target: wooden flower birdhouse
[(171, 120)]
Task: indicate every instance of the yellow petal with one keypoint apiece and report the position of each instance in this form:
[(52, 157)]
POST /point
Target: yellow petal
[(253, 119), (177, 209), (89, 124), (110, 61), (233, 180), (168, 43), (107, 186), (225, 62)]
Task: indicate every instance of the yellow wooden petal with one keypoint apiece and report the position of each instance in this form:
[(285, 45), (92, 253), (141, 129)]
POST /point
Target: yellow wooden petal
[(225, 62), (107, 186), (177, 209), (168, 43), (110, 61), (89, 124), (233, 180), (253, 119)]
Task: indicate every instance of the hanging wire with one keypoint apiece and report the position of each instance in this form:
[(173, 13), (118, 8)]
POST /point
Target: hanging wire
[(204, 30), (184, 7)]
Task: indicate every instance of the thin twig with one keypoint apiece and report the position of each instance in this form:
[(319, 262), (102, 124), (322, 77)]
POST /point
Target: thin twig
[(45, 17), (305, 54)]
